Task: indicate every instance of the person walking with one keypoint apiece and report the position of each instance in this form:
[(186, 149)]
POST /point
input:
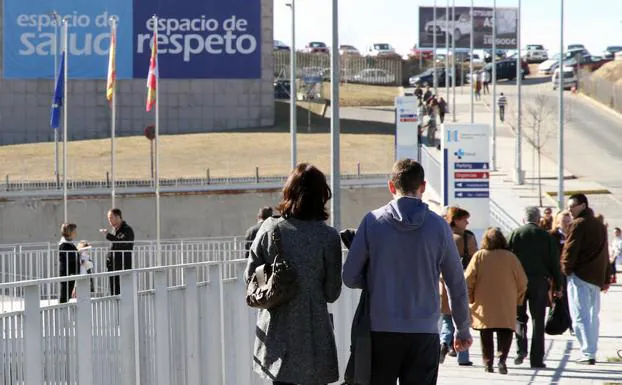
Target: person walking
[(68, 260), (294, 342), (120, 254), (398, 254), (546, 222), (442, 109), (418, 91), (497, 284), (501, 102), (486, 81), (539, 255), (585, 262), (559, 232), (477, 87), (263, 214), (466, 244)]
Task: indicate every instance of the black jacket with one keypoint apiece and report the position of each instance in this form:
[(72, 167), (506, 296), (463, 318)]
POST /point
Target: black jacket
[(120, 255), (68, 258), (251, 233), (538, 253)]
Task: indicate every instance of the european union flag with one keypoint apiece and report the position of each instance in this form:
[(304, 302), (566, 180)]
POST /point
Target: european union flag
[(59, 92)]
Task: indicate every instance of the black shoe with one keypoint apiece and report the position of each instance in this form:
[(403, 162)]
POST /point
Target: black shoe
[(488, 368), (444, 351), (468, 363), (452, 353), (519, 360), (503, 369), (541, 365), (586, 361)]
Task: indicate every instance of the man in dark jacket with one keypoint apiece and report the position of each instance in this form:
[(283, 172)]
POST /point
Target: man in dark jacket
[(120, 255), (585, 261), (539, 255), (263, 214)]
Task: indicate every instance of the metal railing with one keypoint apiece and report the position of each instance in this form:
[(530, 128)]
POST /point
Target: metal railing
[(196, 331)]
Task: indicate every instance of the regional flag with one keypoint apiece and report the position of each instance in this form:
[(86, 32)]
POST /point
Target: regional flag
[(59, 92), (112, 71), (152, 81)]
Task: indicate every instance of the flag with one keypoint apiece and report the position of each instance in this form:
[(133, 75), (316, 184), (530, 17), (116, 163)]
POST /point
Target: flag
[(112, 70), (153, 72), (59, 92)]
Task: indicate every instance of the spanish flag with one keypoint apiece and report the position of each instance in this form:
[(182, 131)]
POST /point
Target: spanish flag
[(152, 78), (112, 71)]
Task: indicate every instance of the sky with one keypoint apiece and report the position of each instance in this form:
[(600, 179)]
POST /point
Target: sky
[(363, 22)]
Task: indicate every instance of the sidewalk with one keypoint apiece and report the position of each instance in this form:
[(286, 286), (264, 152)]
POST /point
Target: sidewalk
[(561, 351)]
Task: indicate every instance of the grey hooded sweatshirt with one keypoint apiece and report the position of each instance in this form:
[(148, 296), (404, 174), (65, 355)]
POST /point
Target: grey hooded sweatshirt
[(398, 254)]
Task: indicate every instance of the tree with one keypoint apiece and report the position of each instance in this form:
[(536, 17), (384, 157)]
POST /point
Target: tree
[(540, 116)]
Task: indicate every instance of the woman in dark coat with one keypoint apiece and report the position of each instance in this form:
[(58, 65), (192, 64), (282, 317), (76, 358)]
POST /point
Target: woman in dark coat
[(295, 342), (68, 258), (561, 227)]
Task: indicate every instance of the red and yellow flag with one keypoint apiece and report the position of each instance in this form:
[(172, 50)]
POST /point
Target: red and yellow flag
[(112, 71), (153, 72)]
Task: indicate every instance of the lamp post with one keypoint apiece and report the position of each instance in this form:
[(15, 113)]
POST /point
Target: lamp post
[(435, 74), (57, 21), (493, 142), (518, 167), (471, 66), (292, 88), (560, 144)]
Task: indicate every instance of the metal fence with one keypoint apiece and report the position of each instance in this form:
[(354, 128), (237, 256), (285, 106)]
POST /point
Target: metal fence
[(603, 90), (197, 332), (354, 69)]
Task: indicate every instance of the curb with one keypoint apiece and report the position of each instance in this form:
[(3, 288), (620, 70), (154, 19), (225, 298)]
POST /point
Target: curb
[(599, 105), (586, 192)]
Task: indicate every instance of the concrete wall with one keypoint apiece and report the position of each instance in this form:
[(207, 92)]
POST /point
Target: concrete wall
[(186, 106), (183, 216)]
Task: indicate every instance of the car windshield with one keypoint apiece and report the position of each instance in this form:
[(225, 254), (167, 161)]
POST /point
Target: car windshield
[(575, 46), (382, 46), (347, 47), (317, 44), (614, 48), (534, 46)]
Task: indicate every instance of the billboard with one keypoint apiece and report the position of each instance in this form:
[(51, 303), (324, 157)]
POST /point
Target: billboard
[(406, 128), (461, 30), (197, 39)]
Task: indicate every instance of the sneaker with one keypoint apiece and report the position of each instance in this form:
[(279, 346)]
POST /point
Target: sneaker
[(519, 360), (586, 361), (468, 363), (503, 369), (444, 351), (488, 368)]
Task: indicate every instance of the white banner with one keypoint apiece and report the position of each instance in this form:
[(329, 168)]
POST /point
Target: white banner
[(406, 128)]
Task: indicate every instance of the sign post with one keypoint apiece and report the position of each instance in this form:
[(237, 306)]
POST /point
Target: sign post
[(406, 128), (466, 171)]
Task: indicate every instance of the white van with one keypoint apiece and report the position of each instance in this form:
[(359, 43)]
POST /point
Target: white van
[(569, 78)]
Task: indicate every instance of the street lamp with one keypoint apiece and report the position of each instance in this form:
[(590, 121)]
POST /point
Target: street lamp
[(560, 144), (518, 169), (57, 21), (292, 87)]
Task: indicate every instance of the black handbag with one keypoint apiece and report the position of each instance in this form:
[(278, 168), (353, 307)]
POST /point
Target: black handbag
[(273, 284), (558, 319)]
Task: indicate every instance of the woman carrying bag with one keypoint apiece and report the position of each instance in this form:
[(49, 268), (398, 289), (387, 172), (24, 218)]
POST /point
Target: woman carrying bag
[(295, 342)]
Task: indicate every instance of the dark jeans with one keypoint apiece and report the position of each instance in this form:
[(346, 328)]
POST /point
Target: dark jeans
[(115, 285), (536, 297), (411, 358), (504, 342), (502, 113), (66, 288), (282, 383)]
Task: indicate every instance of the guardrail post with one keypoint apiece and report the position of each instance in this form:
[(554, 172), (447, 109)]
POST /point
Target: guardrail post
[(128, 325), (256, 174), (193, 361), (207, 176), (358, 169), (33, 336), (84, 331), (162, 352)]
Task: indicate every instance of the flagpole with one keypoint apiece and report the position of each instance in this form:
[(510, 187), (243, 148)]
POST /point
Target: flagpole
[(157, 144), (65, 102), (56, 17), (113, 101)]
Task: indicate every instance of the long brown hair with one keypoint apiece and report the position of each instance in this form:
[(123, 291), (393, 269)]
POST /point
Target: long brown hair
[(454, 214), (305, 194)]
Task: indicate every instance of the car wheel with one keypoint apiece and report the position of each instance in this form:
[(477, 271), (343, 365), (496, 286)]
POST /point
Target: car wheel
[(457, 35)]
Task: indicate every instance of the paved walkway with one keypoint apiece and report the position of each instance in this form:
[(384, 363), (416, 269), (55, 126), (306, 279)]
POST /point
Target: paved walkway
[(561, 351)]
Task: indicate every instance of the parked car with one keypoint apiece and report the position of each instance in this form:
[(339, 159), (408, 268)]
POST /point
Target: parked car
[(591, 63), (610, 51), (415, 53), (572, 47), (314, 73), (488, 55), (374, 76), (316, 47), (280, 46), (506, 69), (427, 77), (349, 50), (457, 30), (569, 78), (380, 49), (535, 53), (549, 66), (282, 88)]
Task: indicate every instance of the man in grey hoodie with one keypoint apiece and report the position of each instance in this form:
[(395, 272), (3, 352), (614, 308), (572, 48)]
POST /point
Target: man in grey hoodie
[(398, 255)]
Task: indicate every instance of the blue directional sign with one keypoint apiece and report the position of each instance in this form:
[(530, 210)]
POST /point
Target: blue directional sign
[(472, 185), (472, 194), (471, 166)]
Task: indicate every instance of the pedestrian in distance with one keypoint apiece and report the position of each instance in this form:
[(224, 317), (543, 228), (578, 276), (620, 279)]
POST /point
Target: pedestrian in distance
[(559, 232), (68, 260), (615, 250), (294, 342), (466, 244), (418, 91), (120, 255), (427, 95), (539, 255), (398, 254), (585, 262), (502, 101), (442, 109), (497, 284), (485, 78), (263, 214), (546, 222), (477, 87)]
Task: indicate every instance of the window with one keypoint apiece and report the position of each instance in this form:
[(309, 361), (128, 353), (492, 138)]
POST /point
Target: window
[(382, 46)]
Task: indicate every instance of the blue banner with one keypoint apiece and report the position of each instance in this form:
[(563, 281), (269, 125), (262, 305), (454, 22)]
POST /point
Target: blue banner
[(208, 39), (212, 39), (30, 38)]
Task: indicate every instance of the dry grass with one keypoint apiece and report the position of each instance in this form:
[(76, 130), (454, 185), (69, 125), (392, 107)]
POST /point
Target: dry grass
[(611, 71), (356, 95), (225, 154)]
